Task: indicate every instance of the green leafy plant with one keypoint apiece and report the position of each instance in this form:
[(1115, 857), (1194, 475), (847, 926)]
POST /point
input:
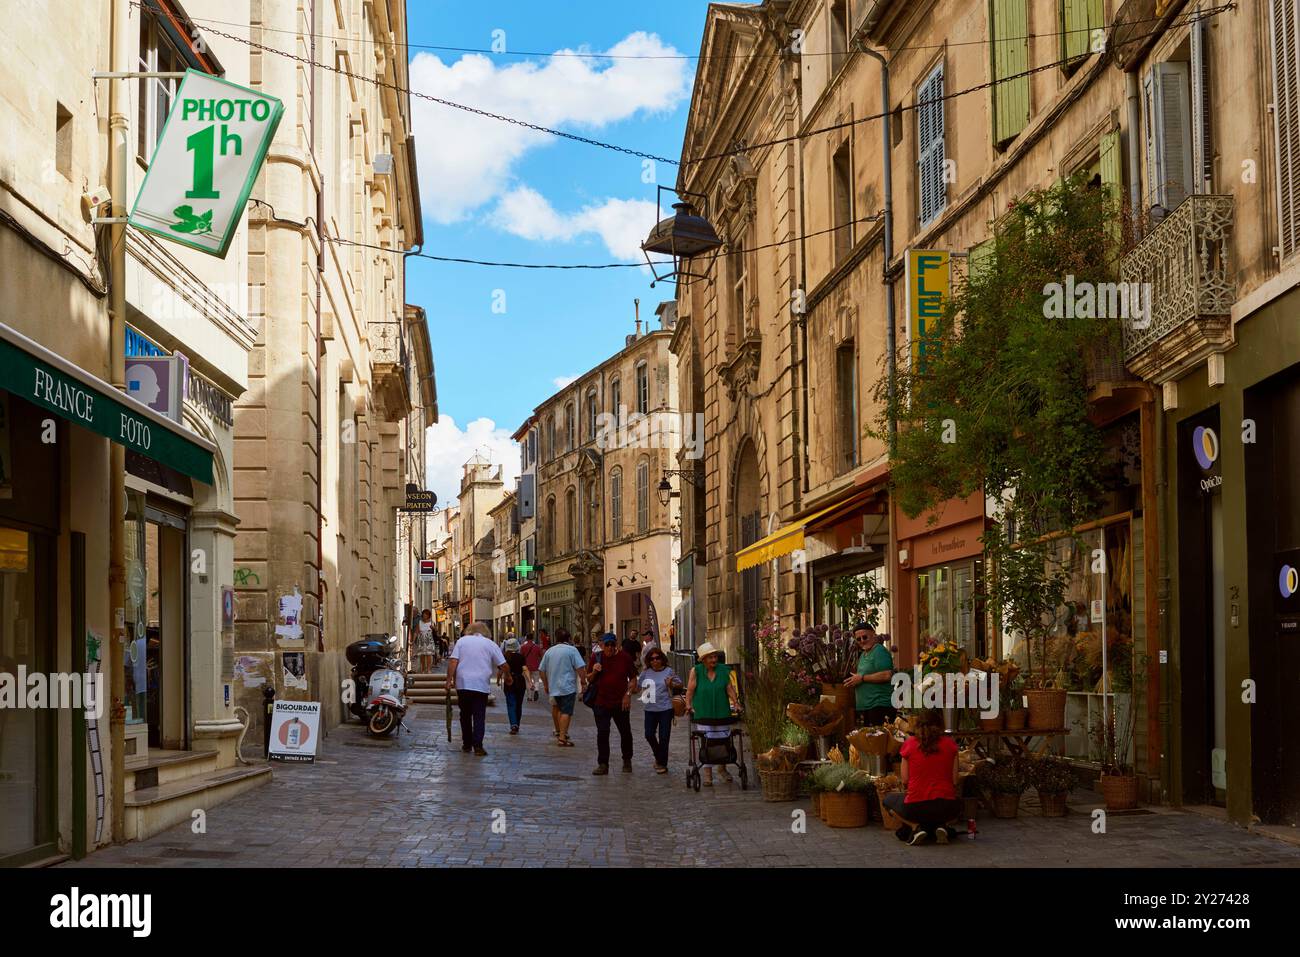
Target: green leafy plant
[(793, 736), (771, 683), (859, 597), (1052, 775), (1004, 776), (841, 777), (998, 405), (1013, 694)]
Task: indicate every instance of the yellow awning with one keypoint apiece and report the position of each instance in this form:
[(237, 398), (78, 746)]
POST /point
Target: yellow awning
[(781, 542)]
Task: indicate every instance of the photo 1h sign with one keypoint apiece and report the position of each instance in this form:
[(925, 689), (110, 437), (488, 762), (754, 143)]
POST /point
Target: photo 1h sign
[(206, 162)]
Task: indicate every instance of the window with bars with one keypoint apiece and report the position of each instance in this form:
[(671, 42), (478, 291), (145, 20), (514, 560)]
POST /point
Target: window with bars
[(931, 166), (1284, 22), (643, 497), (1009, 27)]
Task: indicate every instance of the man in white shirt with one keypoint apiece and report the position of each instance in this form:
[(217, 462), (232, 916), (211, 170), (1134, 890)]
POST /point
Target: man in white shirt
[(469, 669)]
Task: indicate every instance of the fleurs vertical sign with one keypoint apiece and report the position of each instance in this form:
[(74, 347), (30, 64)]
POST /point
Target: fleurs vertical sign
[(206, 162), (928, 289)]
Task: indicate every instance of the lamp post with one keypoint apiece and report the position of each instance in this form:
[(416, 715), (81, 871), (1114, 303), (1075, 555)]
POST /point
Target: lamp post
[(666, 490)]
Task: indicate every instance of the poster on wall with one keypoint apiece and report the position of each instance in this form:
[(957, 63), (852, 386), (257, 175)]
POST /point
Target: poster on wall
[(295, 727)]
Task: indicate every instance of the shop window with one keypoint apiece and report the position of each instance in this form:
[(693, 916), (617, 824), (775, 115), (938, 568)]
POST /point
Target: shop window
[(946, 606)]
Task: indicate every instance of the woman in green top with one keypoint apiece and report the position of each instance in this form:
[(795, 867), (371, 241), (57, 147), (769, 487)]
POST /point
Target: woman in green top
[(711, 695), (873, 678)]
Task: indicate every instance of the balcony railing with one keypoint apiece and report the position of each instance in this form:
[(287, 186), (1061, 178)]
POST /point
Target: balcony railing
[(1186, 281)]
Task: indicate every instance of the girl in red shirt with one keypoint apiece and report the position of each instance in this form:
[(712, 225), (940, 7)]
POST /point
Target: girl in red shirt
[(930, 777)]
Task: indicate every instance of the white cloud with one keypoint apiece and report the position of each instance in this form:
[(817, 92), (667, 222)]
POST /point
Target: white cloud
[(621, 224), (449, 448), (562, 380), (466, 161)]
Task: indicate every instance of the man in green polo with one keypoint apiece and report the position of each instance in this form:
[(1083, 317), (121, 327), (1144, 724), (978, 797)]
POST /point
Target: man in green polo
[(872, 678)]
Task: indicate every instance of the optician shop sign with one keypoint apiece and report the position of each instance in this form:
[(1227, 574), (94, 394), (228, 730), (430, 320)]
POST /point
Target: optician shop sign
[(206, 162)]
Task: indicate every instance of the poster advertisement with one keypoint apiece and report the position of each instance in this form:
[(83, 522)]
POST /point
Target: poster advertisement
[(295, 728)]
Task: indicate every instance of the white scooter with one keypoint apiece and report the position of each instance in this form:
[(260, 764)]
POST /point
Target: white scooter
[(386, 699)]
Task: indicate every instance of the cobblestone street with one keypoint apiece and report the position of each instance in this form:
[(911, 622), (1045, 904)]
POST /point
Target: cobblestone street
[(422, 802)]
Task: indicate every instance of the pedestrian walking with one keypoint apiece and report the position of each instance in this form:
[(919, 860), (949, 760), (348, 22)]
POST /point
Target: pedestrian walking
[(424, 644), (658, 684), (532, 653), (614, 674), (516, 683), (470, 666), (711, 694), (563, 675)]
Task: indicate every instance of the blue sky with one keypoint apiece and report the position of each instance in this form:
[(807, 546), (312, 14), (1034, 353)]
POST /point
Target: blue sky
[(491, 191)]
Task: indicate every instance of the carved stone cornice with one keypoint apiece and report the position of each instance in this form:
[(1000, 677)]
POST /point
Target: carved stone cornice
[(740, 374)]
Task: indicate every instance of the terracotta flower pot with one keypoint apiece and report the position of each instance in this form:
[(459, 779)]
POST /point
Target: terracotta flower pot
[(991, 724), (1053, 805), (1120, 791), (1016, 719), (1006, 805)]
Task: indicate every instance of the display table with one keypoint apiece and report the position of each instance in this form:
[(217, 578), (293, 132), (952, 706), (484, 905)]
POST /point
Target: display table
[(1019, 741)]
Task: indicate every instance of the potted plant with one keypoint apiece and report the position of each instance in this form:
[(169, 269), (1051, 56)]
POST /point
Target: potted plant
[(794, 740), (829, 656), (1114, 733), (1013, 704), (1003, 781), (770, 685), (843, 795), (1054, 779)]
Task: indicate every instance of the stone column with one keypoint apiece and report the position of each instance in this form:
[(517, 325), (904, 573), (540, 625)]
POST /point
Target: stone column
[(212, 647)]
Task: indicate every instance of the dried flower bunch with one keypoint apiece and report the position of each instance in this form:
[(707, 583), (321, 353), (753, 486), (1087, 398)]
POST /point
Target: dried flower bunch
[(829, 654)]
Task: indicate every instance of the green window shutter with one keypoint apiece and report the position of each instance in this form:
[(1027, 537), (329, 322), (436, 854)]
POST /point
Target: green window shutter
[(1078, 19), (1010, 29), (979, 258), (1112, 168)]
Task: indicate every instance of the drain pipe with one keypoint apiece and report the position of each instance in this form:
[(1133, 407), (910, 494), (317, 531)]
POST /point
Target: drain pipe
[(891, 345)]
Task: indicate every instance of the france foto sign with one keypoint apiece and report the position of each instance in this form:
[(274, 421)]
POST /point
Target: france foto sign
[(206, 161)]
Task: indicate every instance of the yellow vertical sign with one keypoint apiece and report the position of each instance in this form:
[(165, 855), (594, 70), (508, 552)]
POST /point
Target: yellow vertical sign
[(929, 284)]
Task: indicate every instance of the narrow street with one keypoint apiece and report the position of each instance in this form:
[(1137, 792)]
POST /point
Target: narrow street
[(422, 802)]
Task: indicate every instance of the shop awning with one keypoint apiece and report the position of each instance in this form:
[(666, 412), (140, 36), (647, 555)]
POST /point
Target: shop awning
[(47, 380), (783, 541)]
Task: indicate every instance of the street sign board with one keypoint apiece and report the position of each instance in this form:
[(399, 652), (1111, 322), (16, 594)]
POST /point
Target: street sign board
[(206, 162), (295, 728), (428, 570), (419, 500)]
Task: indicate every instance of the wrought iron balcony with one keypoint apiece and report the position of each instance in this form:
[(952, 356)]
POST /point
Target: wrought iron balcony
[(1187, 285)]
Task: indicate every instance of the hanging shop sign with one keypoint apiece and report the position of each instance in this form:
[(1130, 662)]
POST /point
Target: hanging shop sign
[(428, 570), (158, 382), (558, 594), (419, 500), (203, 169), (1205, 449), (929, 286), (295, 728)]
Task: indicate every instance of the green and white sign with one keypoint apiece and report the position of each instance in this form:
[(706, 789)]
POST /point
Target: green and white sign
[(204, 166)]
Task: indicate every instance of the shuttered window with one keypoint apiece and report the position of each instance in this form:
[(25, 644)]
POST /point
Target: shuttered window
[(1202, 145), (1079, 18), (1166, 102), (1283, 18), (616, 504), (643, 498), (1010, 30), (980, 258), (933, 196)]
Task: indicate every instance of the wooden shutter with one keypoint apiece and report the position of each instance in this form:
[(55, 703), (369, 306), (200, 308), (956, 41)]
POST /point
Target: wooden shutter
[(1202, 146), (1010, 29), (1111, 161), (1286, 121), (1078, 19), (1166, 99), (979, 258), (930, 162)]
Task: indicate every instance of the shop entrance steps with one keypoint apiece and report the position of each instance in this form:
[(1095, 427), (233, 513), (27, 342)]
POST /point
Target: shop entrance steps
[(428, 689), (172, 785)]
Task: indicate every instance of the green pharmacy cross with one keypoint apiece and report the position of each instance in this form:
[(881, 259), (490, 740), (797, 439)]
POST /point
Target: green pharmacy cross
[(524, 569)]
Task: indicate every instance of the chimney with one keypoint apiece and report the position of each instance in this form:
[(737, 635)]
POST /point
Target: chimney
[(636, 304)]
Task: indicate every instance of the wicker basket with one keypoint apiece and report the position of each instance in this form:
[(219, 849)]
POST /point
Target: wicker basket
[(888, 819), (1006, 805), (1046, 709), (1053, 805), (1120, 792), (1016, 719), (779, 785), (845, 808)]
